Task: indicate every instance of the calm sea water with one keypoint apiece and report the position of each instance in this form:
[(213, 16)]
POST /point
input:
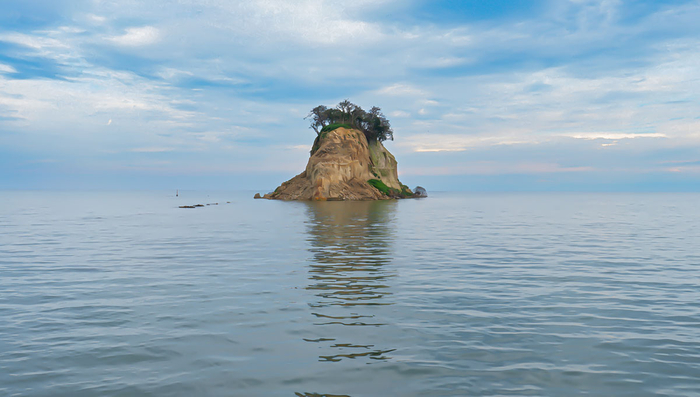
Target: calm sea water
[(124, 294)]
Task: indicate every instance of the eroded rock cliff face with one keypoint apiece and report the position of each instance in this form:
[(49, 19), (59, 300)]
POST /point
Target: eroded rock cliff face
[(340, 167), (384, 166)]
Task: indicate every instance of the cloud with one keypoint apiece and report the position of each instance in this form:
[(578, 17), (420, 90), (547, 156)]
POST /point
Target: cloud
[(693, 162), (152, 149), (33, 41), (456, 142), (496, 168), (612, 135), (400, 90), (399, 114), (96, 18), (309, 22), (7, 69), (444, 62), (689, 169), (137, 36)]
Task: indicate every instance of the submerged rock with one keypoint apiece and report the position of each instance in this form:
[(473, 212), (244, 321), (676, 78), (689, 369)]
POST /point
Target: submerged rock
[(344, 166)]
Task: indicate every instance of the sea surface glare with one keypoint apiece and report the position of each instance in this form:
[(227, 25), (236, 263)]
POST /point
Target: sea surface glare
[(125, 294)]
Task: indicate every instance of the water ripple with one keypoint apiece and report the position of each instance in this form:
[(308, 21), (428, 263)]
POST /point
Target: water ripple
[(459, 294)]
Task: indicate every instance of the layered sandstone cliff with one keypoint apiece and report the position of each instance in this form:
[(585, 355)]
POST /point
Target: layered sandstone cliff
[(344, 166)]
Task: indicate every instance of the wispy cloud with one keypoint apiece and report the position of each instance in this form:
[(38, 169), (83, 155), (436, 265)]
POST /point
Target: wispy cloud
[(690, 169), (96, 18), (137, 36), (611, 135), (299, 147), (457, 143), (399, 114), (152, 149), (7, 69), (496, 168), (400, 90), (35, 42)]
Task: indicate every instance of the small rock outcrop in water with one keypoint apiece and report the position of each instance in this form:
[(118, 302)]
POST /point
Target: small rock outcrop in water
[(420, 191), (345, 166)]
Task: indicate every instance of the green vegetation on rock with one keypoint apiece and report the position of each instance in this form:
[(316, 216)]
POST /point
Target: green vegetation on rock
[(395, 193), (331, 127), (379, 185), (346, 114)]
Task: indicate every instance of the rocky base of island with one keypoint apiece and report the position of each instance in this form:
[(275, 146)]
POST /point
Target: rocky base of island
[(344, 166)]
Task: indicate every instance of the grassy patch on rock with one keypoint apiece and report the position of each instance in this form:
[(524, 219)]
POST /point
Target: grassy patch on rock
[(391, 192), (379, 185), (331, 127)]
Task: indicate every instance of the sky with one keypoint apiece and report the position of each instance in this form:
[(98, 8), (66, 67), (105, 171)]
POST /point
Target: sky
[(504, 95)]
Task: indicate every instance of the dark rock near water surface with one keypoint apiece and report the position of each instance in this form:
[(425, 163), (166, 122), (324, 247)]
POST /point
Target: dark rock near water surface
[(420, 192)]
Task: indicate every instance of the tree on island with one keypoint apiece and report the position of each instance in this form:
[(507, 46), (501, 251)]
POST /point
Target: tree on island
[(346, 114)]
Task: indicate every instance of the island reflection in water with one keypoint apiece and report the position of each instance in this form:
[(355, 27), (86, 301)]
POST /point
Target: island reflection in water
[(349, 273)]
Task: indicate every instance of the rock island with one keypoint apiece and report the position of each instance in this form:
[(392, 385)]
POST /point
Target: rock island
[(348, 160)]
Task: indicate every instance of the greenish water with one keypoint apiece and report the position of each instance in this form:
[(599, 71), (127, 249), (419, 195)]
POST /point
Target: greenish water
[(123, 293)]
